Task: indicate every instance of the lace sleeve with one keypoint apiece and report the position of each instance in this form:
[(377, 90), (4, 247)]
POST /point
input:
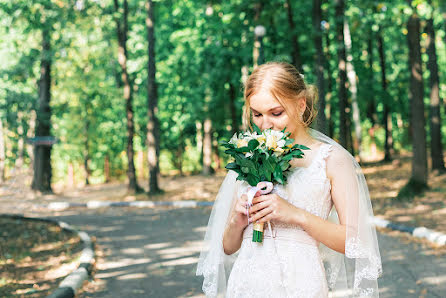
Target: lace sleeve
[(354, 273)]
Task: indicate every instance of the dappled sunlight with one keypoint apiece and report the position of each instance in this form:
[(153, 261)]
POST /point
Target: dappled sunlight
[(157, 245), (124, 262), (180, 261), (385, 180), (132, 251), (132, 276)]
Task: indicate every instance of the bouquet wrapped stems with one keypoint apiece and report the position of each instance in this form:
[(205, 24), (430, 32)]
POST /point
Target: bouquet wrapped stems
[(257, 235)]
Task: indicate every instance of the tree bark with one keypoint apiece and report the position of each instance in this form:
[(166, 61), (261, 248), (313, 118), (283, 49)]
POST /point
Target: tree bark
[(342, 78), (321, 121), (2, 153), (233, 108), (296, 57), (329, 97), (122, 30), (371, 108), (387, 117), (435, 112), (207, 147), (42, 153), (153, 130), (87, 152), (351, 74), (416, 95), (107, 168)]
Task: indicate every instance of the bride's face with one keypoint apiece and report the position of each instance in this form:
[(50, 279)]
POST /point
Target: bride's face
[(267, 112)]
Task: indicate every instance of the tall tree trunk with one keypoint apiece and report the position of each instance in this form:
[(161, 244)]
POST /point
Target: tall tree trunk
[(122, 30), (329, 99), (387, 117), (107, 168), (87, 152), (321, 122), (21, 141), (42, 153), (153, 130), (371, 108), (435, 113), (207, 147), (233, 108), (351, 74), (29, 134), (199, 138), (416, 95), (296, 57), (2, 153), (342, 78)]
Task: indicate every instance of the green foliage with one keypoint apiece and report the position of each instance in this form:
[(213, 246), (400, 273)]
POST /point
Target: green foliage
[(201, 50)]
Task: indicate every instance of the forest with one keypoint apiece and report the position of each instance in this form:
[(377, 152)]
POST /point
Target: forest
[(93, 91)]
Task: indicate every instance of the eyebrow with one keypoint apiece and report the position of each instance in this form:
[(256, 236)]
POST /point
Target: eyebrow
[(268, 110)]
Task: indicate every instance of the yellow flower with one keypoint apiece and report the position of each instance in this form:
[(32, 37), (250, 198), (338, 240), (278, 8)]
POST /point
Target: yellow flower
[(242, 143), (271, 142), (261, 139)]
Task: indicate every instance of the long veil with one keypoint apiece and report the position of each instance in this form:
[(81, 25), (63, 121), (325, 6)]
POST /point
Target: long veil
[(353, 274)]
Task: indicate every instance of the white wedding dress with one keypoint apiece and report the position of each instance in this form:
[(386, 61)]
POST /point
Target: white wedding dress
[(289, 265)]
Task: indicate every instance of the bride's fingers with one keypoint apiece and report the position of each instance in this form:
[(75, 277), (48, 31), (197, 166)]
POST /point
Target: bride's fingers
[(258, 206), (260, 214), (261, 199)]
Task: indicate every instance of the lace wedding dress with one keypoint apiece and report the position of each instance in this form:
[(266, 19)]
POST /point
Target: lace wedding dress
[(290, 264)]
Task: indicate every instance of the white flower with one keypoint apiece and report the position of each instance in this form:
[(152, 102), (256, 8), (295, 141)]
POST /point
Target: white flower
[(281, 143), (248, 154), (234, 139)]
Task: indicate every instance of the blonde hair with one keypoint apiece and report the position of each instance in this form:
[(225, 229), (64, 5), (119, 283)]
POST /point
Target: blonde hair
[(286, 85)]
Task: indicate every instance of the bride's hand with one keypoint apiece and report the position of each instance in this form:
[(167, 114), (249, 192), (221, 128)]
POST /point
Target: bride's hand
[(273, 207), (238, 216)]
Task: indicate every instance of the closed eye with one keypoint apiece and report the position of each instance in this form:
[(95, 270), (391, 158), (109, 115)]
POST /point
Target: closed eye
[(277, 114)]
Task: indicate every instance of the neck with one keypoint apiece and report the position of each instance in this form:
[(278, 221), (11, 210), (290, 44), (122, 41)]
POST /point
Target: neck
[(302, 137)]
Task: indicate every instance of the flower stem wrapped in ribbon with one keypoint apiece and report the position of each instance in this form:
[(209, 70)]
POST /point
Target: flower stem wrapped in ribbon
[(262, 156)]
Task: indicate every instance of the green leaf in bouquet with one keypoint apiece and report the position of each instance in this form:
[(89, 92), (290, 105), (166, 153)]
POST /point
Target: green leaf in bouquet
[(269, 164), (252, 180), (289, 142), (231, 152), (288, 157), (278, 175), (257, 129), (243, 149), (232, 166), (284, 165), (302, 147), (252, 144), (245, 170)]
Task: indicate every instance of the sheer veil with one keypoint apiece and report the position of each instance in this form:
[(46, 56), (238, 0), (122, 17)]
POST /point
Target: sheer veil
[(353, 274)]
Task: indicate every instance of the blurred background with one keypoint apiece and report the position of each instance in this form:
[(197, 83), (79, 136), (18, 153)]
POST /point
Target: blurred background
[(88, 85)]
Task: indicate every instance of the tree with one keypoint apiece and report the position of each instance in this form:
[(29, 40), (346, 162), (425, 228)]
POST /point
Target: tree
[(153, 131), (319, 65), (342, 79), (434, 83), (122, 31), (418, 179)]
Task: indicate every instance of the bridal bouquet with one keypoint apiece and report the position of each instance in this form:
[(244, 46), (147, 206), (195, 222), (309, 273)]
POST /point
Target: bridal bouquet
[(262, 156)]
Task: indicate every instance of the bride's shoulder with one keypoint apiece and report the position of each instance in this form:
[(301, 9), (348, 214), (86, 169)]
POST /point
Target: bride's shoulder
[(338, 159)]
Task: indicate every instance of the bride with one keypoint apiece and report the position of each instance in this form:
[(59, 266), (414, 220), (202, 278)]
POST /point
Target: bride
[(322, 242)]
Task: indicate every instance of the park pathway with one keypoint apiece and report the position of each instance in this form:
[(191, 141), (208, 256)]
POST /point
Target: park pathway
[(153, 253)]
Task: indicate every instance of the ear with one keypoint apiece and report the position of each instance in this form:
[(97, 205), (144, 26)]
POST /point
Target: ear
[(302, 104)]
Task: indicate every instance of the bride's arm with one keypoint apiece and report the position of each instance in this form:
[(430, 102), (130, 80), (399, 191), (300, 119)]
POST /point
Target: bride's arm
[(236, 224), (342, 175)]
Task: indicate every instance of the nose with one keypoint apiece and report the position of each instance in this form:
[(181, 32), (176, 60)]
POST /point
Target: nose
[(267, 123)]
